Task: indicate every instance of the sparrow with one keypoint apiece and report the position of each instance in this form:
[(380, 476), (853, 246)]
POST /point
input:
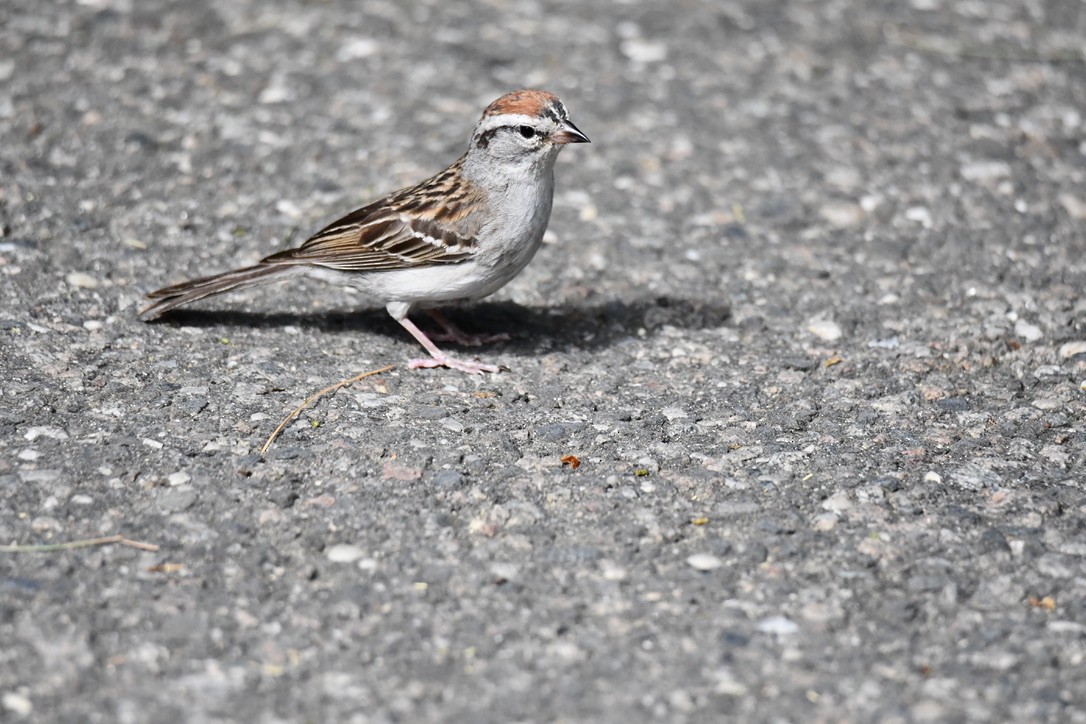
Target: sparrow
[(457, 236)]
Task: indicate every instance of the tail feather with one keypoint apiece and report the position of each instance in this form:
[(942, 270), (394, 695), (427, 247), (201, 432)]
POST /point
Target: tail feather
[(186, 292)]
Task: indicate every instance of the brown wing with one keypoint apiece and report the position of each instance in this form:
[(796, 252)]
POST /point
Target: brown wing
[(381, 244), (419, 226)]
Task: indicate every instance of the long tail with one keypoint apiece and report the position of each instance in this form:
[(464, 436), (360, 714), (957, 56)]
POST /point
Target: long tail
[(186, 292)]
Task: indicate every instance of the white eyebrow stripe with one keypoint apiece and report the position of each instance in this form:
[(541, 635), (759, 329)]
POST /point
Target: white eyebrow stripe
[(508, 119)]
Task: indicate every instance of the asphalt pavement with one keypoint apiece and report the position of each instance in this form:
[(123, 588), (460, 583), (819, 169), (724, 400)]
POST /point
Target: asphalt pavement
[(791, 428)]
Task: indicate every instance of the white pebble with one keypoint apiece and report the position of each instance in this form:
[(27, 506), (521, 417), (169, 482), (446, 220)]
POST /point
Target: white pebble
[(778, 625), (837, 502), (344, 553), (825, 329), (842, 214), (504, 571), (674, 413), (612, 571), (53, 433), (704, 561), (357, 48), (644, 51), (932, 477), (1075, 208), (276, 92), (288, 209), (179, 478), (1072, 348), (920, 215), (871, 202), (17, 703), (81, 280), (985, 170), (1027, 331)]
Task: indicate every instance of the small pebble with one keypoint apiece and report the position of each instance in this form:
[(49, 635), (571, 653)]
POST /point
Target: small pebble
[(1074, 207), (53, 433), (644, 51), (452, 425), (825, 329), (985, 170), (674, 413), (611, 571), (837, 502), (842, 215), (344, 553), (17, 703), (81, 280), (1027, 331), (932, 477), (704, 561), (1072, 348), (920, 215), (179, 478), (356, 48), (778, 625), (505, 571)]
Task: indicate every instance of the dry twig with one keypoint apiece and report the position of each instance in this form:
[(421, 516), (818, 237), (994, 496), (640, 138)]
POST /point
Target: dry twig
[(313, 398), (86, 543)]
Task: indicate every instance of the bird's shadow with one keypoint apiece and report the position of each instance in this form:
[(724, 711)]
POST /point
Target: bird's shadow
[(531, 329)]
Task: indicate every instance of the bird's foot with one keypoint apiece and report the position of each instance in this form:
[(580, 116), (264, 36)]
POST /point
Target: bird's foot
[(451, 333)]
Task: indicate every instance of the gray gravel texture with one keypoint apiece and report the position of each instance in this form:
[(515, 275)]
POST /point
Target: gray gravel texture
[(809, 315)]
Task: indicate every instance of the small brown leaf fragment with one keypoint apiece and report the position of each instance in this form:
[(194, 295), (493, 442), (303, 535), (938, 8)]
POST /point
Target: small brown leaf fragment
[(1014, 345), (700, 520), (166, 568), (835, 360), (1047, 602), (571, 460)]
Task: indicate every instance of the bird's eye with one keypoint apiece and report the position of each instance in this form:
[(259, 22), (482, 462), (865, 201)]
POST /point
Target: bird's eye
[(527, 131)]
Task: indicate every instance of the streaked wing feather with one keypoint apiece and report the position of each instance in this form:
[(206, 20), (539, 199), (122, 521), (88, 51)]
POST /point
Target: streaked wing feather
[(419, 226), (382, 244)]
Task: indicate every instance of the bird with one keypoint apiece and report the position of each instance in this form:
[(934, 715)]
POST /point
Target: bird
[(457, 236)]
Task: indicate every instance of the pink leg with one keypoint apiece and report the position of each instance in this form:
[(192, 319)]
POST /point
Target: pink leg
[(439, 358), (451, 333)]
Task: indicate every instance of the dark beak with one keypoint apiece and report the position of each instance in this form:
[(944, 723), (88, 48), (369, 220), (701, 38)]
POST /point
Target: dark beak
[(568, 133)]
